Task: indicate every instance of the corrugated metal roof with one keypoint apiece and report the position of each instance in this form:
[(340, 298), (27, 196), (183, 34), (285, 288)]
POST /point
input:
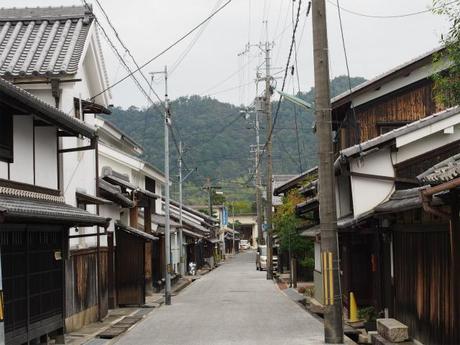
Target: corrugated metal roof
[(42, 41), (444, 171)]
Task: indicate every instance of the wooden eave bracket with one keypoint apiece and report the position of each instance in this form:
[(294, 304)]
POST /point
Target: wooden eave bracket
[(91, 146)]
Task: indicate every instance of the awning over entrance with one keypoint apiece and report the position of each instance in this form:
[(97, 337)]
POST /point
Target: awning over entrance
[(89, 199), (20, 209), (113, 193), (135, 232), (191, 234)]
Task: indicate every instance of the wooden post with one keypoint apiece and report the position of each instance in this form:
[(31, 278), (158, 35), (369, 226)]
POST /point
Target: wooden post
[(455, 257), (148, 248), (333, 323)]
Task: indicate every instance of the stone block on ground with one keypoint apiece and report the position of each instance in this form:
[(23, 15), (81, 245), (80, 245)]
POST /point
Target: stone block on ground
[(363, 339), (377, 339), (392, 330)]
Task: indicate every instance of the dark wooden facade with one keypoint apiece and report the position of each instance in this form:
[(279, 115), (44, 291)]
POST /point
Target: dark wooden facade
[(33, 280), (405, 268), (408, 104), (82, 279), (130, 272), (422, 283)]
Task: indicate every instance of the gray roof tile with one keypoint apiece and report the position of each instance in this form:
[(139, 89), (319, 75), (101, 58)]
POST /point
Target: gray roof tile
[(444, 171), (22, 209), (43, 41)]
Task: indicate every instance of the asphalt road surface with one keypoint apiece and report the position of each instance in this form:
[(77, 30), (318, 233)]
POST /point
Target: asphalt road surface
[(234, 304)]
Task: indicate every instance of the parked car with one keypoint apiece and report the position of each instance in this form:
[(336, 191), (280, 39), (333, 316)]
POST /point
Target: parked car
[(244, 244), (261, 258)]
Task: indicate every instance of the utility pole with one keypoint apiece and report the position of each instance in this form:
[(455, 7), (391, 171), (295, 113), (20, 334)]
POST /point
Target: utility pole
[(257, 156), (167, 225), (167, 123), (181, 245), (233, 228), (210, 188), (182, 179), (268, 108), (333, 327)]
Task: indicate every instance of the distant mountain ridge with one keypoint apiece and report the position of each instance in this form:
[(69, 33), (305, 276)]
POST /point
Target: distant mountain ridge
[(217, 138)]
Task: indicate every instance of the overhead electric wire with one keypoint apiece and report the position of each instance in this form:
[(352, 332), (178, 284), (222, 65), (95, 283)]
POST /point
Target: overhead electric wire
[(284, 80), (231, 88), (395, 16), (299, 155), (191, 44), (183, 37), (354, 120), (127, 51)]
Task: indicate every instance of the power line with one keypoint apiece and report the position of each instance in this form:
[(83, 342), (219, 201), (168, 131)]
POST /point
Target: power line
[(230, 89), (191, 45), (127, 51), (284, 80), (183, 37), (354, 120), (395, 16)]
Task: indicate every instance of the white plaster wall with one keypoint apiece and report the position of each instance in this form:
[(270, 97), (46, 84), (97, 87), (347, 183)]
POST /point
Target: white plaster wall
[(46, 173), (4, 170), (343, 198), (175, 251), (21, 170), (369, 192), (434, 140)]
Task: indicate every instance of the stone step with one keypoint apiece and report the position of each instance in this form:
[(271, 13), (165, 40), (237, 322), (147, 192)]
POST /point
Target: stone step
[(392, 330)]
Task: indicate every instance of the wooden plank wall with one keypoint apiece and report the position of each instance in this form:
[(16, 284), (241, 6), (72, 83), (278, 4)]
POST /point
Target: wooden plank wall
[(408, 105), (81, 281), (422, 276)]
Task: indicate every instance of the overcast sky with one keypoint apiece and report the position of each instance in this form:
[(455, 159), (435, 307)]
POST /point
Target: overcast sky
[(149, 26)]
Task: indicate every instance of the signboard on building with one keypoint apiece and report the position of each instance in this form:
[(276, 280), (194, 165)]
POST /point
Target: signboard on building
[(224, 216)]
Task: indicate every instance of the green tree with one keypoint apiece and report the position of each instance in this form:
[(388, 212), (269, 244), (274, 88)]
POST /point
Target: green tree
[(447, 83), (285, 224)]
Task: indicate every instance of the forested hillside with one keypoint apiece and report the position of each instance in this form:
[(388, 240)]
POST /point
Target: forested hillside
[(217, 138)]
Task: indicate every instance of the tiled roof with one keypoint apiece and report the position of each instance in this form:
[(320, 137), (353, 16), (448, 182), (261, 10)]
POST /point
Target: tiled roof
[(42, 41), (114, 193), (295, 181), (135, 232), (444, 171), (24, 209)]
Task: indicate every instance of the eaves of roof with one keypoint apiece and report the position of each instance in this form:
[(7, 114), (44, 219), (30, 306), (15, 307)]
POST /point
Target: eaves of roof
[(392, 135), (383, 78), (444, 171), (18, 97), (293, 182)]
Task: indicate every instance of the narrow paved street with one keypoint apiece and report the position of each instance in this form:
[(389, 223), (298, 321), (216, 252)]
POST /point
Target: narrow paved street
[(233, 304)]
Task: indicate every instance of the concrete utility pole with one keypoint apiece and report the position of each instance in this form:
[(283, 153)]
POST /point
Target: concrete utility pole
[(233, 228), (268, 107), (167, 225), (333, 327), (257, 155), (181, 238)]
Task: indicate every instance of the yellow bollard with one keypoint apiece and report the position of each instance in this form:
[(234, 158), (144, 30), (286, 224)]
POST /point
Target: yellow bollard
[(353, 308)]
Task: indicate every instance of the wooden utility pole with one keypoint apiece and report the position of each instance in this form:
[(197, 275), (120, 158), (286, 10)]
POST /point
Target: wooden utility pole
[(210, 189), (333, 327)]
